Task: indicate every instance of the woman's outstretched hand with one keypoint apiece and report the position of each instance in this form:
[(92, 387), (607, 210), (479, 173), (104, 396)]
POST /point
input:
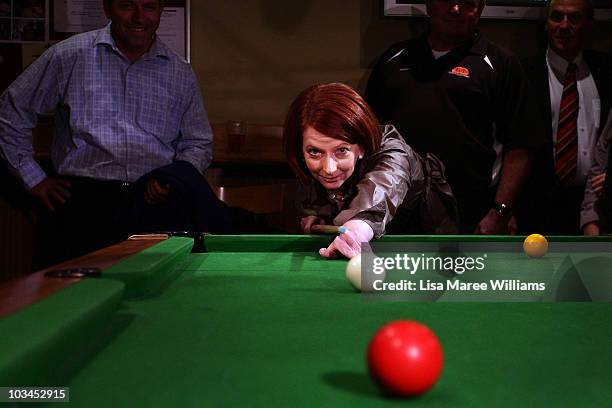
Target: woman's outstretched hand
[(348, 244)]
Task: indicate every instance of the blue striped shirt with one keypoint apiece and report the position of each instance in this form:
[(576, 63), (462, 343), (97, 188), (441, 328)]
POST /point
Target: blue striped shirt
[(114, 120)]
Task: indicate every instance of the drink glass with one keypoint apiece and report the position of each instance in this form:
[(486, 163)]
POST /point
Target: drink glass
[(236, 135)]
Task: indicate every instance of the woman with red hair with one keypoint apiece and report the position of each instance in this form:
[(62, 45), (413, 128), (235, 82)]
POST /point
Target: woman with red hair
[(360, 175)]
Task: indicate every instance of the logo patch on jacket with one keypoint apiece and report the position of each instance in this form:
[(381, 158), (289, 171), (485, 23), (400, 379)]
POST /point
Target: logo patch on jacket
[(460, 71)]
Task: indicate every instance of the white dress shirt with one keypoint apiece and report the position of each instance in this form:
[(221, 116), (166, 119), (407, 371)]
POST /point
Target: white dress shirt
[(588, 113)]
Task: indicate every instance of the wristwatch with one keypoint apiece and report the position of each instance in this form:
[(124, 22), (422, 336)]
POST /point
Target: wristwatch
[(504, 210)]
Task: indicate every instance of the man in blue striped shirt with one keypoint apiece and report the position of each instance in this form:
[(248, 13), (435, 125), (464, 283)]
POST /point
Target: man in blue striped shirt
[(124, 105)]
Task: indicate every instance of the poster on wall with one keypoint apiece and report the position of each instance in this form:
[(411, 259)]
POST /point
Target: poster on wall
[(23, 21), (77, 16), (71, 16)]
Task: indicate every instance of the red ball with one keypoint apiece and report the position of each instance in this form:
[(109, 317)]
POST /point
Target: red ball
[(405, 357)]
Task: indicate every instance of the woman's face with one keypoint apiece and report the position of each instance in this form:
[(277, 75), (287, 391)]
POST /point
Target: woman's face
[(330, 161)]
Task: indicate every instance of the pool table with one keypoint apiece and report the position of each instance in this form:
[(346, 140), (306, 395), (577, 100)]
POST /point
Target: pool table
[(264, 321)]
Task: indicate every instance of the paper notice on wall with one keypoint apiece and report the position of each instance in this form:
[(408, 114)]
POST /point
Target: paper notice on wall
[(77, 16), (172, 30)]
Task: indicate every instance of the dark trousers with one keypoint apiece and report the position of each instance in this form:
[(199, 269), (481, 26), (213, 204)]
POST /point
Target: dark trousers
[(92, 218), (551, 210), (563, 217), (473, 208), (192, 205), (101, 213)]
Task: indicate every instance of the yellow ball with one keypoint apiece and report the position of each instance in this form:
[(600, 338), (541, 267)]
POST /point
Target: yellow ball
[(535, 246)]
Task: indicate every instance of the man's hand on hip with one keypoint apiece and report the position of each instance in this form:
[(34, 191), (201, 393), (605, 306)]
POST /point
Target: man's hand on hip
[(52, 191)]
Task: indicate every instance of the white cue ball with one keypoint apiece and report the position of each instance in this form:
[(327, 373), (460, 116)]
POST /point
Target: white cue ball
[(353, 272)]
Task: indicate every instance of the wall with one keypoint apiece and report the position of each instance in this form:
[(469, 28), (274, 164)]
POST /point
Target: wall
[(252, 57)]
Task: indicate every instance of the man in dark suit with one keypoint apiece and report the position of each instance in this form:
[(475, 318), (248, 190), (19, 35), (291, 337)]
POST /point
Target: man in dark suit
[(575, 92)]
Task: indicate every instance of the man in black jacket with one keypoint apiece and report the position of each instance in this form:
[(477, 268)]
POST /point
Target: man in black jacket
[(574, 89), (453, 93)]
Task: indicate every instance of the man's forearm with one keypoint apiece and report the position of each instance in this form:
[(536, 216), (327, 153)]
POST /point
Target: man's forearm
[(515, 170), (17, 153), (29, 95), (196, 137)]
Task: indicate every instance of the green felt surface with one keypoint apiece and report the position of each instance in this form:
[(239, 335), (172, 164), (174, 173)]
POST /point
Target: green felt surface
[(44, 343), (306, 243), (286, 329), (152, 268)]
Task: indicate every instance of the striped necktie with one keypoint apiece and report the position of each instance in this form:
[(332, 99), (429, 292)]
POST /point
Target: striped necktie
[(566, 149)]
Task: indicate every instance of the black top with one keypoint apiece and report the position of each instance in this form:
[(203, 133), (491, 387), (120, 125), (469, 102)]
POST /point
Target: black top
[(456, 105)]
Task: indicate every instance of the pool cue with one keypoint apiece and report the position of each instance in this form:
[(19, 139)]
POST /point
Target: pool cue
[(327, 229)]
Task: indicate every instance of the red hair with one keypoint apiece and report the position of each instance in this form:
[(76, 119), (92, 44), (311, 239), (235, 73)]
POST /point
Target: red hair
[(335, 110)]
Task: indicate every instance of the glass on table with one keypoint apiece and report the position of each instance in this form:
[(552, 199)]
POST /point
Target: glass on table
[(236, 135)]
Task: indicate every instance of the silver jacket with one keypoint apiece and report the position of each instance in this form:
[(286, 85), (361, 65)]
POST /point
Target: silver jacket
[(395, 180)]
